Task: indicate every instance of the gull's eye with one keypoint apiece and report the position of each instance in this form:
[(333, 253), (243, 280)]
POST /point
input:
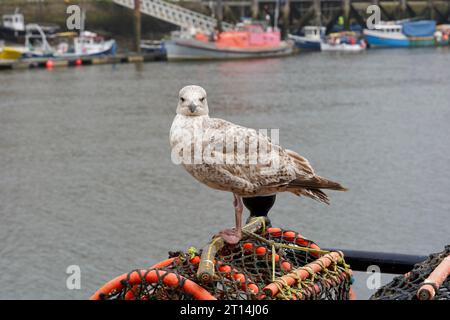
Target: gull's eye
[(182, 99), (202, 99)]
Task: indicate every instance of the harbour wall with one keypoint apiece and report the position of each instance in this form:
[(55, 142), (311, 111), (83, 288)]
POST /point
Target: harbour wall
[(107, 18)]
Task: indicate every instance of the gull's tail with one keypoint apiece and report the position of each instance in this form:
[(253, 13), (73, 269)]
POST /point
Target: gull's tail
[(316, 182), (310, 187)]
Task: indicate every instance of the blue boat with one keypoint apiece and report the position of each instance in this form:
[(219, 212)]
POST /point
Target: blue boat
[(310, 38), (402, 34)]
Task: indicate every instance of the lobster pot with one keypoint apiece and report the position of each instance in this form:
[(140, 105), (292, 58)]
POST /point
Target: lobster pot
[(428, 280), (267, 263)]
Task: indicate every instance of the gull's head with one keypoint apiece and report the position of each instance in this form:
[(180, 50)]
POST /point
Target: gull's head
[(192, 101)]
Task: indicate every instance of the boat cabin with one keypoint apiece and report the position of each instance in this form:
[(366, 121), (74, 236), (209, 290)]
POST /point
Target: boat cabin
[(90, 43), (388, 28), (88, 38), (249, 35), (14, 21), (314, 32)]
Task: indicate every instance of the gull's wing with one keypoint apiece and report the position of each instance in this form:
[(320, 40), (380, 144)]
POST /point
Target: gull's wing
[(247, 170), (250, 159)]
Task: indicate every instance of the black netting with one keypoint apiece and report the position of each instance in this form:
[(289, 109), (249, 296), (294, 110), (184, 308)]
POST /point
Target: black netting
[(243, 271), (405, 287)]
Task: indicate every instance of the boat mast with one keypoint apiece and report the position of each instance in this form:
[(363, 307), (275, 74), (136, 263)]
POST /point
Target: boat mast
[(83, 19), (137, 25), (219, 14), (277, 14), (318, 12)]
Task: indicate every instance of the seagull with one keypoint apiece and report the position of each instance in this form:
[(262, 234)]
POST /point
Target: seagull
[(240, 160)]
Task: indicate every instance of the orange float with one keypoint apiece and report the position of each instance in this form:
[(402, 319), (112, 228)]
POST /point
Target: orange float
[(153, 276)]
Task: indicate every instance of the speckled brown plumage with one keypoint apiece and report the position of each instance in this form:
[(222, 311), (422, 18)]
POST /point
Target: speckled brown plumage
[(277, 170)]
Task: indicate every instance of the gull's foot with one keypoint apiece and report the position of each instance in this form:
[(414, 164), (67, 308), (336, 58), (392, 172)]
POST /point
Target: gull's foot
[(231, 236)]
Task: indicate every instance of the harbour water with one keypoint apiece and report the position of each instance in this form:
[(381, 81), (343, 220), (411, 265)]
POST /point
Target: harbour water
[(86, 177)]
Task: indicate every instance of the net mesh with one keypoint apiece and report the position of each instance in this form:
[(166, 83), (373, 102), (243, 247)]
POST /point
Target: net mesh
[(243, 272), (405, 287)]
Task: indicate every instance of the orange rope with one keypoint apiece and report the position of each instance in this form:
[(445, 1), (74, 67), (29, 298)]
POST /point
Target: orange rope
[(153, 276), (427, 291), (163, 264), (302, 273)]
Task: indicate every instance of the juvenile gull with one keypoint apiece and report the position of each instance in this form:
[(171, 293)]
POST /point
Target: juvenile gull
[(255, 165)]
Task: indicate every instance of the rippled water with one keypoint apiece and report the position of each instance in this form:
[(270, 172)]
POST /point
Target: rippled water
[(86, 177)]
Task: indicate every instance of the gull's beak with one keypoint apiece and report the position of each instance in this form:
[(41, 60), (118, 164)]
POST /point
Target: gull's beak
[(192, 107)]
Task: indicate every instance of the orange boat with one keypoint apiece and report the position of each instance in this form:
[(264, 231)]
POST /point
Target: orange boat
[(247, 41)]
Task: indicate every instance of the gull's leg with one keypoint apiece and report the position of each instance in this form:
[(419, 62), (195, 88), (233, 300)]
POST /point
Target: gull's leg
[(238, 209), (232, 236)]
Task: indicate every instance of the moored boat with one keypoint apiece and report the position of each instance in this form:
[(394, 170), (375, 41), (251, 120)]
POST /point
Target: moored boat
[(12, 26), (442, 35), (309, 38), (10, 53), (154, 48), (343, 41), (36, 43), (67, 44), (87, 43), (248, 41), (420, 33)]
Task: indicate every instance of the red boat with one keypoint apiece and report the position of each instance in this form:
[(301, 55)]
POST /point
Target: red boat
[(247, 41)]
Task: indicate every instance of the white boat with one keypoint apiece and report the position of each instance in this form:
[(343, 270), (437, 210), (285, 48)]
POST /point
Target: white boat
[(344, 42), (36, 43), (151, 46), (69, 44), (12, 26), (342, 47), (86, 44)]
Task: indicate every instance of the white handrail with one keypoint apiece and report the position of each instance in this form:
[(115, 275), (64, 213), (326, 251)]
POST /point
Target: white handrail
[(182, 17)]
